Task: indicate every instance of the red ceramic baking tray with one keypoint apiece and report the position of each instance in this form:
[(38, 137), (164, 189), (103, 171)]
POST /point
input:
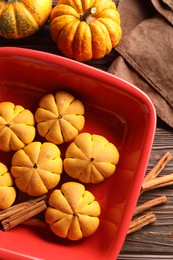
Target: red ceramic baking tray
[(114, 109)]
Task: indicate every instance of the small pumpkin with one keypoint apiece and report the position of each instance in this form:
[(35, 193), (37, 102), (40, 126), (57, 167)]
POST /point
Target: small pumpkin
[(7, 190), (16, 126), (37, 168), (22, 18), (73, 212), (59, 117), (85, 29), (91, 158)]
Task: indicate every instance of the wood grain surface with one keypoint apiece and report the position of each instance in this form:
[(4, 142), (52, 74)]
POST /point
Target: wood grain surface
[(156, 240)]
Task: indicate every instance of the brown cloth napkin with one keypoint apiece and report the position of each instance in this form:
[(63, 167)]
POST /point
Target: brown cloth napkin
[(145, 53)]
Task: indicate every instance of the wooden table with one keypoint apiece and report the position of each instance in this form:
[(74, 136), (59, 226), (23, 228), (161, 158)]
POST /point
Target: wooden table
[(156, 240)]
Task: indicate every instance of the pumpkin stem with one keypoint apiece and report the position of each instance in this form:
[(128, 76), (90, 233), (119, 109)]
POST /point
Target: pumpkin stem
[(87, 16), (75, 214), (35, 166)]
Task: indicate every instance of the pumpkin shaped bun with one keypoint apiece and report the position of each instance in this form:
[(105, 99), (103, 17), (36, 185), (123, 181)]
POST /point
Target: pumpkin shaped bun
[(37, 168), (85, 30), (59, 117), (16, 126), (73, 212), (91, 158), (7, 190)]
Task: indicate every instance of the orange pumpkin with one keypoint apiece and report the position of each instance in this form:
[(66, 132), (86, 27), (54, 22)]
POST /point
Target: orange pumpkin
[(37, 168), (59, 117), (22, 18), (7, 190), (90, 158), (85, 29), (73, 212), (16, 126)]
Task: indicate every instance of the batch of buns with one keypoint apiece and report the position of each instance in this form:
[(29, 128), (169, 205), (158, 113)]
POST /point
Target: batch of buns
[(37, 167)]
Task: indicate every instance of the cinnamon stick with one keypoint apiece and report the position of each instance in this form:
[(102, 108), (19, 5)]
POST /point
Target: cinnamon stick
[(141, 221), (162, 181), (149, 204), (152, 181), (160, 165), (19, 213), (19, 207)]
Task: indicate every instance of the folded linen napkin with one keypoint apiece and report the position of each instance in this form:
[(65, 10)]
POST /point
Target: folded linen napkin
[(145, 53)]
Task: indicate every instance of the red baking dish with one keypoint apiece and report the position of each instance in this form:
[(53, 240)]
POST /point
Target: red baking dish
[(113, 108)]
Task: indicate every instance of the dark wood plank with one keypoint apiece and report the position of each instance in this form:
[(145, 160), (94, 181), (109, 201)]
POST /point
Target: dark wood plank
[(156, 240)]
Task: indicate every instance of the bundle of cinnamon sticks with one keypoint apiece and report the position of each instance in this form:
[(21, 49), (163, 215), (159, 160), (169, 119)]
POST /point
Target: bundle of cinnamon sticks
[(151, 181), (21, 212)]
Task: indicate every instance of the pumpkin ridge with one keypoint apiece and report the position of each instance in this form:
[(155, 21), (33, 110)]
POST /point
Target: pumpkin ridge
[(82, 173), (70, 226), (87, 157), (106, 33), (67, 121), (53, 121), (101, 148), (41, 172), (28, 17), (19, 177), (3, 130), (48, 115), (2, 9), (72, 26), (57, 21), (80, 151), (64, 9), (15, 20), (94, 165), (13, 122), (66, 105), (109, 13), (2, 120), (98, 43), (68, 204), (36, 154), (18, 132), (103, 173), (58, 220), (62, 128), (84, 7), (76, 4), (38, 176), (115, 37), (82, 47), (10, 20), (101, 12), (31, 11), (11, 137)]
